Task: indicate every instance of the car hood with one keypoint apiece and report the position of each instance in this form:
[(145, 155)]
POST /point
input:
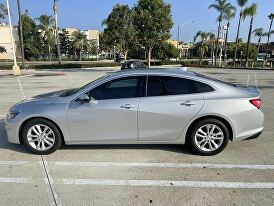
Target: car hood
[(47, 98)]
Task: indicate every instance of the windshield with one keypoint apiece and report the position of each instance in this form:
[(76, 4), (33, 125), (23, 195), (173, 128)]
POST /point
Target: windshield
[(75, 90)]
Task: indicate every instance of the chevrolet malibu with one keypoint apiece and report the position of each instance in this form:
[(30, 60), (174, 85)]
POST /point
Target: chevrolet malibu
[(139, 107)]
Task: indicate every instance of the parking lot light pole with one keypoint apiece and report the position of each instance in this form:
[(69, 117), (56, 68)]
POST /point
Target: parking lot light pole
[(16, 68)]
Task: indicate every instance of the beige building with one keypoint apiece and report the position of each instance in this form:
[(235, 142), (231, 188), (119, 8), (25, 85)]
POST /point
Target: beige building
[(5, 41), (183, 47), (92, 35)]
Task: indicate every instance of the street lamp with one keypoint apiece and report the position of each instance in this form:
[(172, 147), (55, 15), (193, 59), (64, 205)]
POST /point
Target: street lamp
[(180, 27), (16, 68)]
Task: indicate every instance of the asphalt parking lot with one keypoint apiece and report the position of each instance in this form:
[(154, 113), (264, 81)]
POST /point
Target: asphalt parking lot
[(243, 174)]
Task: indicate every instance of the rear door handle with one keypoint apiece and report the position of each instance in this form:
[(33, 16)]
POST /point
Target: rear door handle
[(127, 106), (188, 103)]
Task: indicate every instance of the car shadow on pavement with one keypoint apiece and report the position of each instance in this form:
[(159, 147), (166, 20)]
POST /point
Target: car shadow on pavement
[(4, 144), (169, 148)]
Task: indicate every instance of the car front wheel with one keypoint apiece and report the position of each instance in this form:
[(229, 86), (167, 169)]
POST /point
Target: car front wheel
[(41, 136)]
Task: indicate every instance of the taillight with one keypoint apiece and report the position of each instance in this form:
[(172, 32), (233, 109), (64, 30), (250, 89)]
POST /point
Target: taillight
[(256, 102)]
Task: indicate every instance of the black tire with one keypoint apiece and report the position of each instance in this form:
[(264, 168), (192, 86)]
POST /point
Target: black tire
[(58, 138), (191, 138)]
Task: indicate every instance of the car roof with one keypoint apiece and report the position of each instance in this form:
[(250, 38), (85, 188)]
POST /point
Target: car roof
[(146, 71)]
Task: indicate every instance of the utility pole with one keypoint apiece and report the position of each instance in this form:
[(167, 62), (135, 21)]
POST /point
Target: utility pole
[(21, 33), (16, 68), (56, 31)]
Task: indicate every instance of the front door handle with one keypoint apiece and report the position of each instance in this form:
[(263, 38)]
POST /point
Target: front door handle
[(127, 106), (188, 103)]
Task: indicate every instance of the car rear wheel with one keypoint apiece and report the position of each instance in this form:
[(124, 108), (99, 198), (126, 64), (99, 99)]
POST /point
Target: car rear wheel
[(41, 136), (209, 137)]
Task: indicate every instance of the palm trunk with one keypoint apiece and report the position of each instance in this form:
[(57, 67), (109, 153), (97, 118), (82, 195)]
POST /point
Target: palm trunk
[(49, 52), (149, 57), (200, 59), (248, 41), (126, 53), (259, 45), (225, 47), (56, 30), (217, 43), (212, 54), (237, 39), (21, 33), (268, 38)]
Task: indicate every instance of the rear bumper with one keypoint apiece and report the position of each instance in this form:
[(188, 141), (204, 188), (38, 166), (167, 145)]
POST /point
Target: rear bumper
[(254, 136)]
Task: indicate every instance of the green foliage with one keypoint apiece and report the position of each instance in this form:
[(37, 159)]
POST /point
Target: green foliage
[(153, 21), (119, 29), (79, 41), (2, 49), (65, 44), (3, 12), (32, 38), (250, 11), (241, 52), (222, 7), (45, 25), (165, 51)]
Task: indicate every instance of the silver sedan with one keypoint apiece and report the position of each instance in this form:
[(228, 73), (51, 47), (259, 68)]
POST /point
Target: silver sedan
[(139, 107)]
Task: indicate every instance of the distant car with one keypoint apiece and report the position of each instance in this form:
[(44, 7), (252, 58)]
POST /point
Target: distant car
[(143, 106), (261, 57), (133, 64)]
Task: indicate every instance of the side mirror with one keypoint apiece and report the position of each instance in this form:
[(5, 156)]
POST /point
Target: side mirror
[(84, 98)]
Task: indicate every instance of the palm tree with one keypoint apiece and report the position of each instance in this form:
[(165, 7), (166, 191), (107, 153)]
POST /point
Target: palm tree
[(203, 47), (56, 30), (212, 38), (271, 17), (229, 14), (251, 12), (221, 6), (259, 32), (3, 12), (79, 40), (241, 4), (46, 24), (21, 33)]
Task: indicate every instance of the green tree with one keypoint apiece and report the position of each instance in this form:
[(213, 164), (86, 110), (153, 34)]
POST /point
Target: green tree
[(249, 12), (32, 38), (2, 49), (241, 4), (230, 14), (203, 48), (164, 51), (259, 32), (79, 40), (222, 7), (65, 43), (271, 17), (3, 12), (120, 29), (153, 21), (46, 24)]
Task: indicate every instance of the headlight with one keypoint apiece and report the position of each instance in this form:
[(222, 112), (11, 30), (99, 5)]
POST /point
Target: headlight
[(12, 115)]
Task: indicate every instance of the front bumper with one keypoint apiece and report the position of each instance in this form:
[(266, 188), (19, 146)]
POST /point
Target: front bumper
[(12, 129)]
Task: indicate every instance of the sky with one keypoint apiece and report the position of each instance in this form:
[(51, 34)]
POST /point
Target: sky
[(88, 14)]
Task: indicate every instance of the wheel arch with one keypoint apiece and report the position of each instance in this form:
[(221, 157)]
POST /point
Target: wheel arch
[(223, 120), (37, 117)]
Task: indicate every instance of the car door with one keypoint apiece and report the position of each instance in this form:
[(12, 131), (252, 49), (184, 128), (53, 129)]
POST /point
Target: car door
[(112, 116), (170, 104)]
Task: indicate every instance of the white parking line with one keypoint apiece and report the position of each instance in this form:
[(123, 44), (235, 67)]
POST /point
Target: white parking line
[(167, 165), (15, 180), (21, 88), (13, 162), (164, 183)]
